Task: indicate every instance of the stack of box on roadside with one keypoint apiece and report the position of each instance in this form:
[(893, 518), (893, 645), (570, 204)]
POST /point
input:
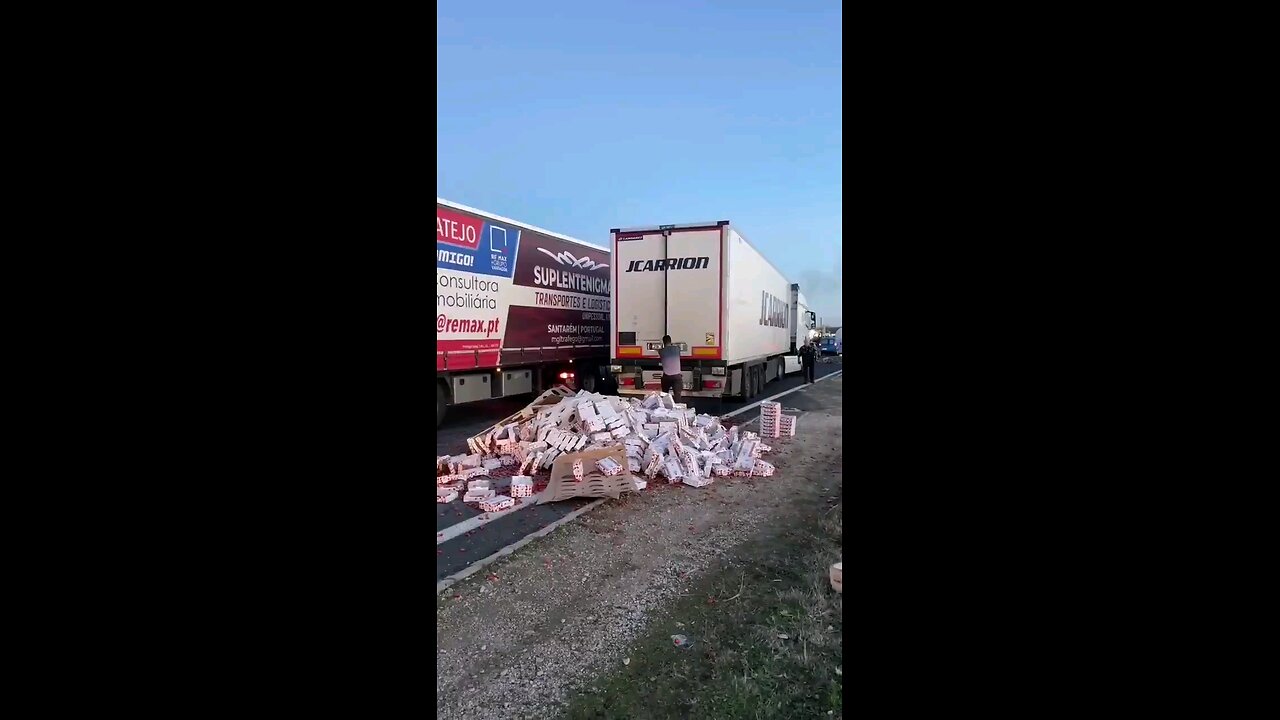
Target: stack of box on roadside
[(773, 423), (770, 419), (788, 425)]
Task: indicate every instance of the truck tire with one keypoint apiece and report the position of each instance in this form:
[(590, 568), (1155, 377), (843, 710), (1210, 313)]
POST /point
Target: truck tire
[(748, 383), (587, 382)]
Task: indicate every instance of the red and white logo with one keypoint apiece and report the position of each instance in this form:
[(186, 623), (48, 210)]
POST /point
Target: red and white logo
[(458, 230)]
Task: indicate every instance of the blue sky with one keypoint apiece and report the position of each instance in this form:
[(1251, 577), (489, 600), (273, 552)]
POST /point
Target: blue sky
[(583, 116)]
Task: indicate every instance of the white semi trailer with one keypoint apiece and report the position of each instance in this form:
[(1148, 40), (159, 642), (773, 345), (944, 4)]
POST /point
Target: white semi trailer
[(727, 307)]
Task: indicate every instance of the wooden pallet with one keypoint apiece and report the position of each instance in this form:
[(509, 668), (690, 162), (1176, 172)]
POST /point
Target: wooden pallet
[(543, 401)]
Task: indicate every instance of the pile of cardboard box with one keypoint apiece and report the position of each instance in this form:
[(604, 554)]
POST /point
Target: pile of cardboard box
[(659, 436)]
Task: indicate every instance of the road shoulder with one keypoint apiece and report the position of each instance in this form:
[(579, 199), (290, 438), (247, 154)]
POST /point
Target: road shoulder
[(529, 631)]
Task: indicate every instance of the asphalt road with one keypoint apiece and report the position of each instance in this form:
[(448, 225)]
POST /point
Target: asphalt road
[(466, 420)]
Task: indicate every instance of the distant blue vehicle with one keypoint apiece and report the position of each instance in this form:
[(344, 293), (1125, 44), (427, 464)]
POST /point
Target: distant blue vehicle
[(831, 346)]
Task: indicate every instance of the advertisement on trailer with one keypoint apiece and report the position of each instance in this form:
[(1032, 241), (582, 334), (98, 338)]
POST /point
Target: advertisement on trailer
[(503, 287)]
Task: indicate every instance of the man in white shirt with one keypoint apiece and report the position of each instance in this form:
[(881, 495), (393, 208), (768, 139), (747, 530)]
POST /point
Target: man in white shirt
[(672, 380)]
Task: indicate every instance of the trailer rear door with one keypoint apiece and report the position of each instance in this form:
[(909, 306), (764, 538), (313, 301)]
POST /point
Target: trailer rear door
[(694, 291), (668, 283), (640, 306)]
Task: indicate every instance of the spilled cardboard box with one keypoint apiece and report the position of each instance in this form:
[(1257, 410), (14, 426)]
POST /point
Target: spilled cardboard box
[(594, 483)]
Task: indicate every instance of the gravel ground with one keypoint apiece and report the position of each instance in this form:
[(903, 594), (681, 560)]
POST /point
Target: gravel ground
[(517, 638)]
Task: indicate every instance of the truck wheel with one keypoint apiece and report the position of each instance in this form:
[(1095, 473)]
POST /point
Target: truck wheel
[(748, 383), (587, 382)]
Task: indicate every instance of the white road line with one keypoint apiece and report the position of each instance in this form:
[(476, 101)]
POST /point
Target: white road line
[(784, 392), (473, 567), (482, 519)]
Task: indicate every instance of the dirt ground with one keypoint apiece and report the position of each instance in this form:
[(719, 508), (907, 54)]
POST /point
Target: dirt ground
[(536, 631)]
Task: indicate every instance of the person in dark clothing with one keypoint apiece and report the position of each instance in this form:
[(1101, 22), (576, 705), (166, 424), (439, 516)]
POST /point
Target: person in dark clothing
[(808, 356), (672, 379)]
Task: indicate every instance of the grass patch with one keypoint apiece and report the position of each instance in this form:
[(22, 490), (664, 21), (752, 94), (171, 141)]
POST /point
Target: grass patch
[(766, 631)]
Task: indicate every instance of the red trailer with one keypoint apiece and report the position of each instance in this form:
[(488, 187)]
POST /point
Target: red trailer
[(518, 308)]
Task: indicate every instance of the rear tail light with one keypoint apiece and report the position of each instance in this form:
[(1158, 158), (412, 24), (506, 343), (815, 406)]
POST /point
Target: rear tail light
[(566, 375)]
